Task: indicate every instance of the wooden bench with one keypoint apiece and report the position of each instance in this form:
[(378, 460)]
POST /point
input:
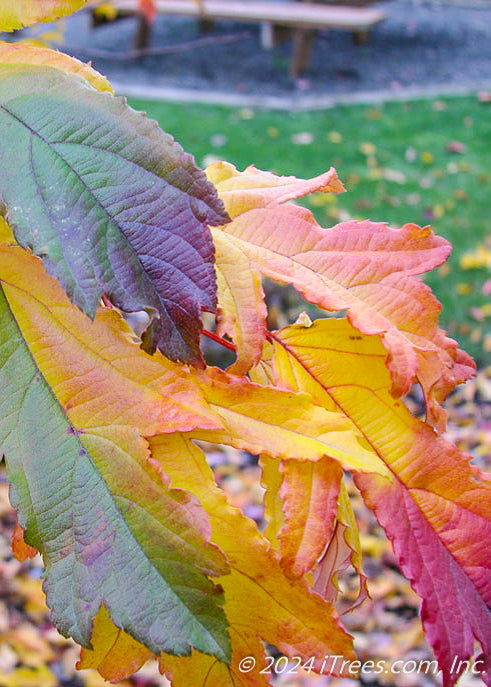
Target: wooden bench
[(303, 17)]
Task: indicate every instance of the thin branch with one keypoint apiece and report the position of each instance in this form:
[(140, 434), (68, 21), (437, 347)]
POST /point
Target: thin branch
[(164, 50), (218, 339)]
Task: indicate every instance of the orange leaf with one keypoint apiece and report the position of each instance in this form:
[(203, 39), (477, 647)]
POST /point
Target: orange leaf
[(100, 374), (343, 549), (271, 481), (366, 268), (260, 601), (253, 188), (21, 550), (241, 308), (281, 424), (20, 53), (436, 510), (309, 494)]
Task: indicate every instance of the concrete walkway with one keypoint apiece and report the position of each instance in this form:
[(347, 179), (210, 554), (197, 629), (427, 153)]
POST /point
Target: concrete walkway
[(423, 48)]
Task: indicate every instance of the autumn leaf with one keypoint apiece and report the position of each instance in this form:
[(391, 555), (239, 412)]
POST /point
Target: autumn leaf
[(111, 203), (110, 529), (311, 522), (436, 510), (241, 308), (281, 424), (253, 188), (200, 670), (114, 653), (14, 14), (20, 549), (99, 372), (23, 54), (261, 602), (6, 235), (308, 494), (343, 549), (271, 479), (366, 268)]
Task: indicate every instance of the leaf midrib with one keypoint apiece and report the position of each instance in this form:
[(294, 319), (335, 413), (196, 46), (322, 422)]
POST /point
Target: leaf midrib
[(112, 221), (94, 468)]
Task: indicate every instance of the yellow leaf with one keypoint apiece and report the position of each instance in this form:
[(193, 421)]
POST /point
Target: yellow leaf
[(241, 307), (281, 424), (427, 157), (6, 233), (20, 53), (260, 601), (14, 14), (99, 373), (335, 137), (252, 188), (368, 149), (27, 677), (115, 654)]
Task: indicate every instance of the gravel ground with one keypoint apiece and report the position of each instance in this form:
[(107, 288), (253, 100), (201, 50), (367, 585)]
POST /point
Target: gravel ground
[(443, 45)]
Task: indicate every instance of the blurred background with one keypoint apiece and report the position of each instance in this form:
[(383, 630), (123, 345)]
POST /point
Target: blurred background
[(397, 96)]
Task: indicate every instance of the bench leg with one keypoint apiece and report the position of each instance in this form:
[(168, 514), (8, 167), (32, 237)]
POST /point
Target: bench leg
[(143, 31), (272, 34), (361, 37), (302, 47), (267, 35), (206, 25)]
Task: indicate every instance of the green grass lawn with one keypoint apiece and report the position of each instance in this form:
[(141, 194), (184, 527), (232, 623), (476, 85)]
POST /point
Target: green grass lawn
[(397, 166)]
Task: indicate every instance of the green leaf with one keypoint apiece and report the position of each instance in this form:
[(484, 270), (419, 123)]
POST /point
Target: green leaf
[(110, 202), (109, 528)]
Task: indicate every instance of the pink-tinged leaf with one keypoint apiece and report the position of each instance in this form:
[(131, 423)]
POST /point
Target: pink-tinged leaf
[(271, 479), (241, 307), (309, 494), (436, 509), (456, 598), (343, 549), (367, 269), (253, 188)]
